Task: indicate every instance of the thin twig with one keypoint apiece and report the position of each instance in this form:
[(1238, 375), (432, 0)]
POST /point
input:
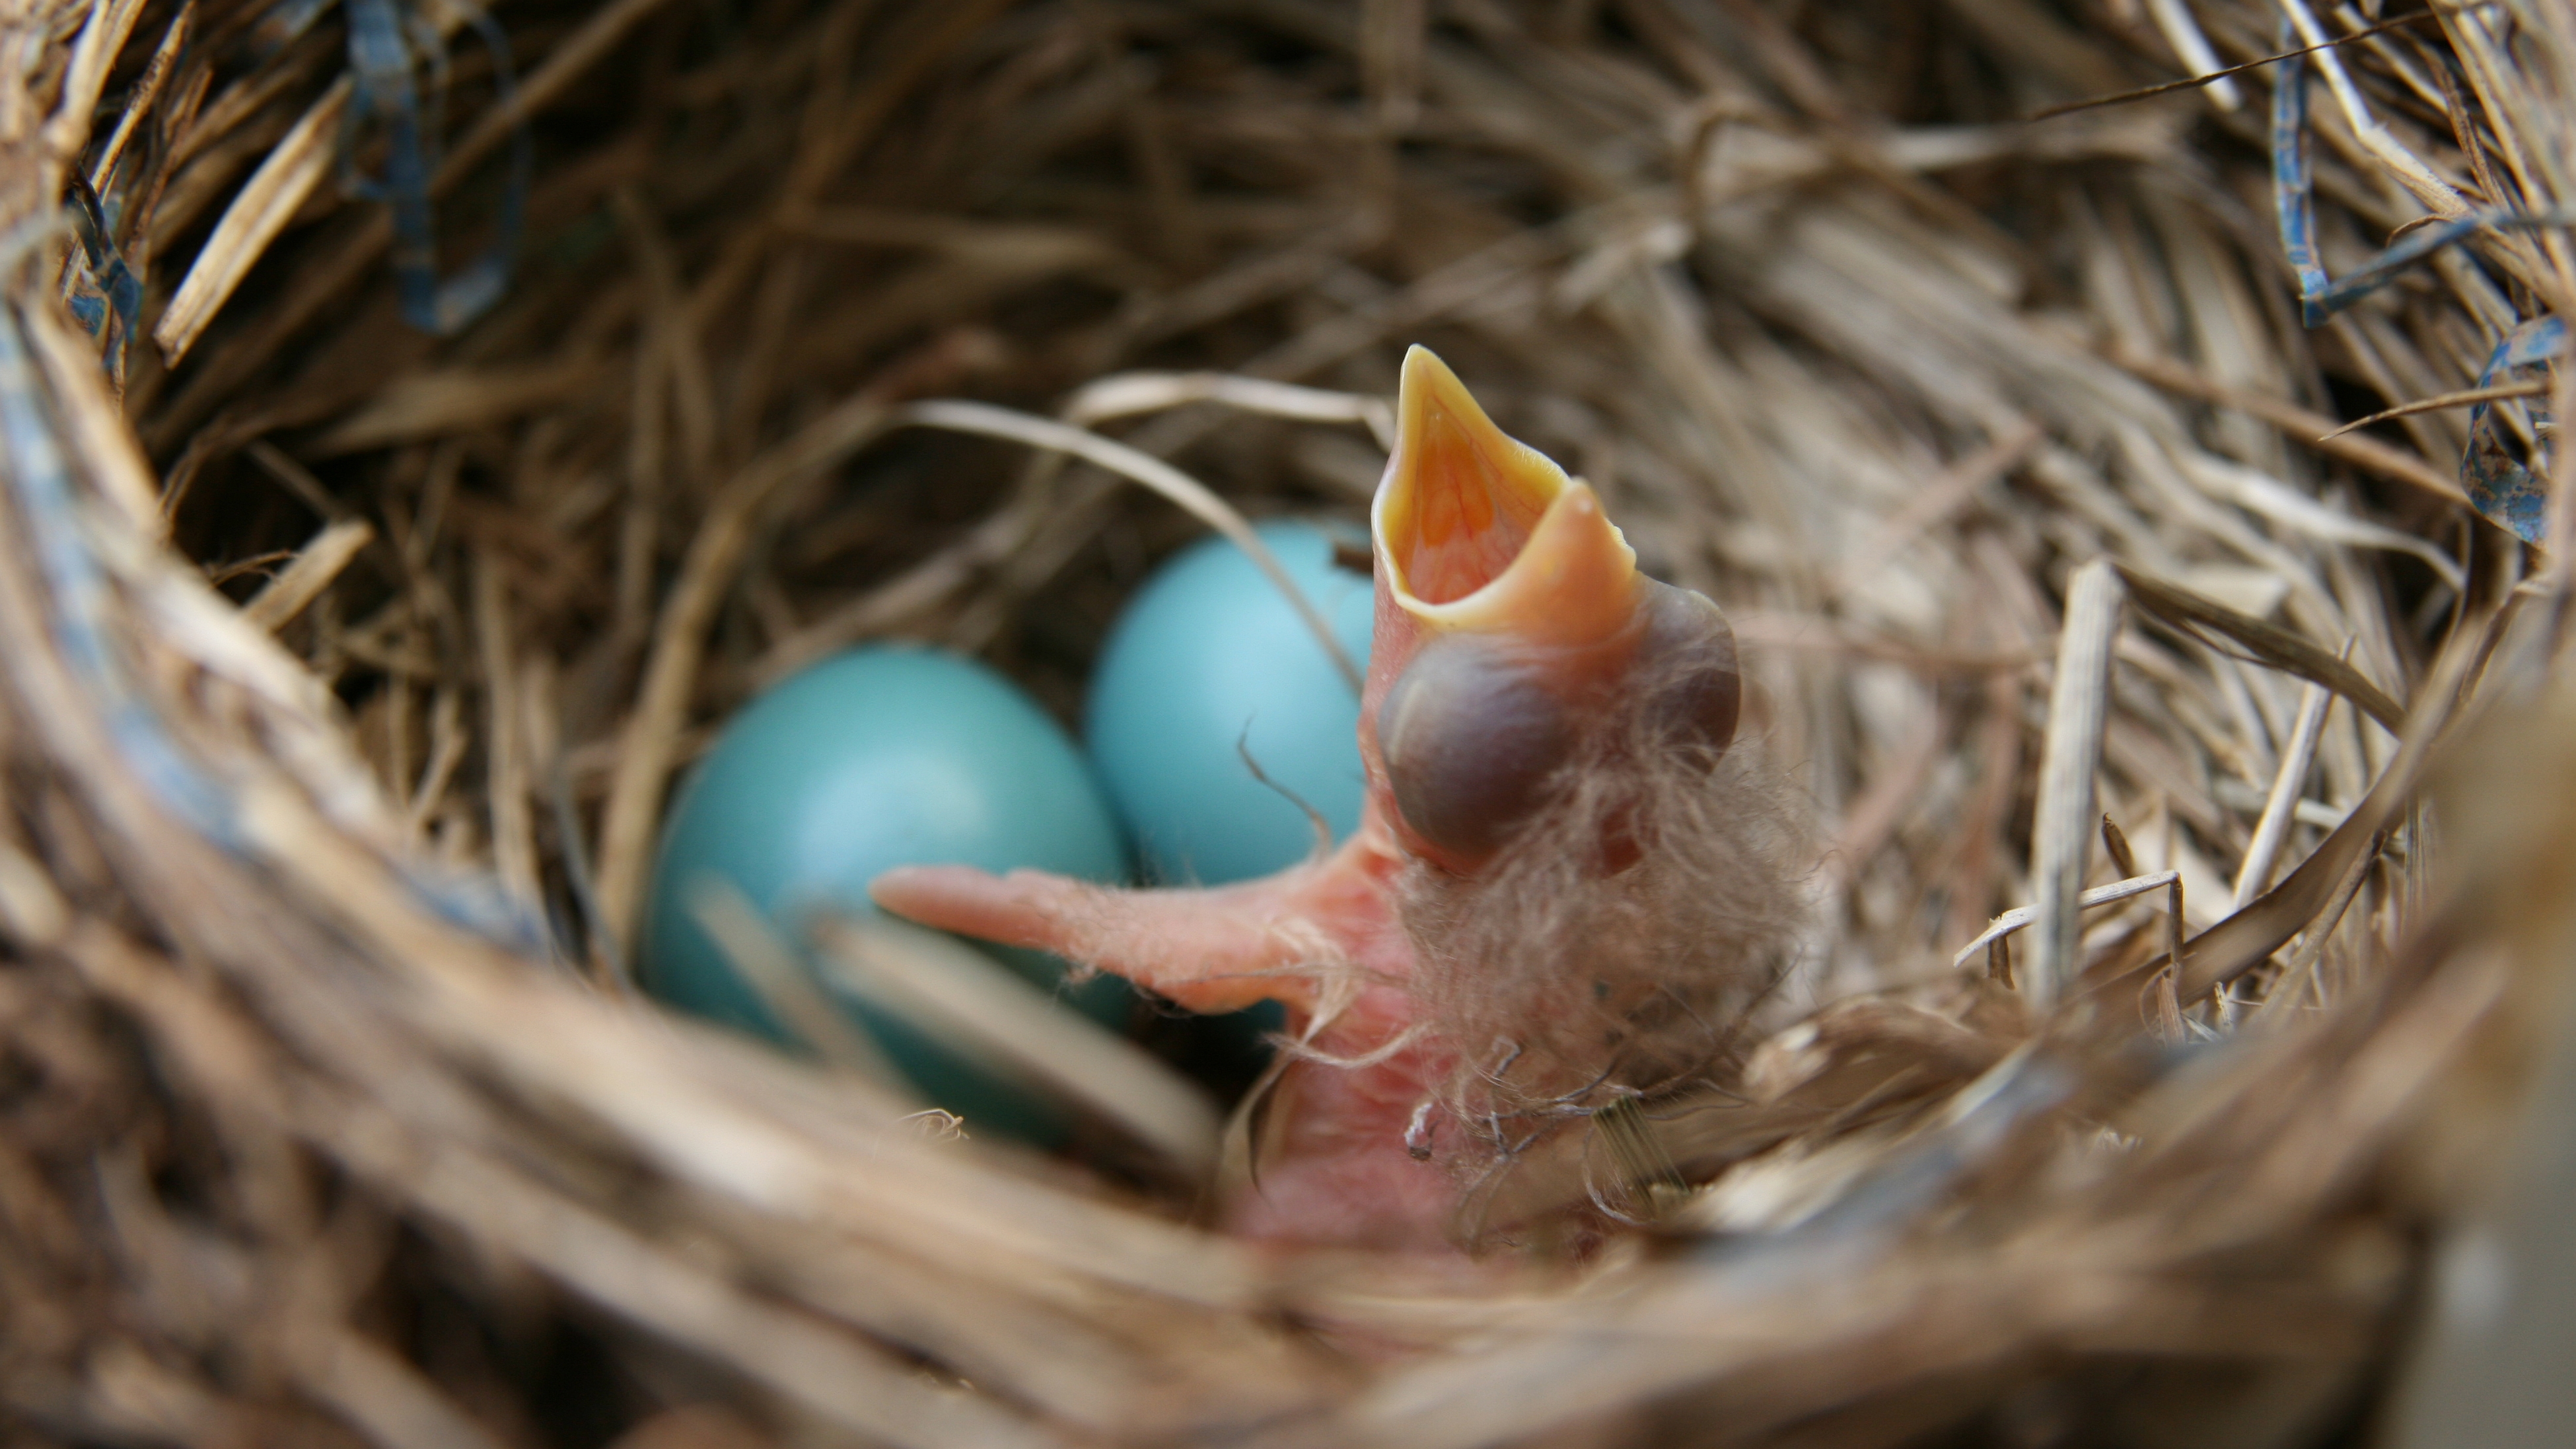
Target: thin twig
[(2062, 830)]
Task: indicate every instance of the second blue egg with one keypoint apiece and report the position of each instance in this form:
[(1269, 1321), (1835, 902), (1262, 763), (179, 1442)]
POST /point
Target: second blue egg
[(1210, 663)]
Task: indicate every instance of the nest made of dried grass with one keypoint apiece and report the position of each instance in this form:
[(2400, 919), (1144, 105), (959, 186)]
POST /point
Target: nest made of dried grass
[(346, 668)]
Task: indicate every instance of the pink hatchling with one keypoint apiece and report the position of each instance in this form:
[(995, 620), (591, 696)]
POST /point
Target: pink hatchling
[(1565, 887)]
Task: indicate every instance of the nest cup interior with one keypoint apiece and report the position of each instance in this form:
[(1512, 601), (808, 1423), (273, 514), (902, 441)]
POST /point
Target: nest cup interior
[(351, 667)]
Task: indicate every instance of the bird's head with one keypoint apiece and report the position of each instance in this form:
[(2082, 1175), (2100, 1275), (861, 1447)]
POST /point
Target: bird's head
[(1515, 637)]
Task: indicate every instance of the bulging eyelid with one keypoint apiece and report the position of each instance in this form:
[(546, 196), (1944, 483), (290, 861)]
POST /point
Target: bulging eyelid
[(1470, 739), (1692, 682)]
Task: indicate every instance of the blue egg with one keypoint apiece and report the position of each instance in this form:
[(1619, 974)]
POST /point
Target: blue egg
[(876, 758), (1210, 663)]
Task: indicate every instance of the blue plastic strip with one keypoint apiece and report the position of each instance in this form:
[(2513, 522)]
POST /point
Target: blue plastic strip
[(382, 61), (106, 297), (2509, 491), (2293, 181), (2502, 486), (2294, 203), (79, 590), (41, 477)]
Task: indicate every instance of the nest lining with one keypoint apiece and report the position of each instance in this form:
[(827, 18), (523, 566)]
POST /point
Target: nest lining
[(348, 666)]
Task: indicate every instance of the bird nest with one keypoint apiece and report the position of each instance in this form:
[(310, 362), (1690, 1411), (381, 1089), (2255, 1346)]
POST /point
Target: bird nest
[(422, 428)]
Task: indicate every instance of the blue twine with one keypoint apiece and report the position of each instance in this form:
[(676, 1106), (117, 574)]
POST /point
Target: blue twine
[(382, 61), (41, 477), (79, 590), (2294, 202), (2511, 493), (2502, 488), (106, 297)]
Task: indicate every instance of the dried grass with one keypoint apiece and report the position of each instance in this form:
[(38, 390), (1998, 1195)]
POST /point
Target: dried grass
[(343, 671)]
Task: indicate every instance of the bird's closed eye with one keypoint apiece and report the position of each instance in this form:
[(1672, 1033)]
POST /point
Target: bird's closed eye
[(1686, 673), (1469, 740)]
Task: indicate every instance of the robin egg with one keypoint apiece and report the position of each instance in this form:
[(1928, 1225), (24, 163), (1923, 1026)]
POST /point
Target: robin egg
[(876, 758), (1208, 674)]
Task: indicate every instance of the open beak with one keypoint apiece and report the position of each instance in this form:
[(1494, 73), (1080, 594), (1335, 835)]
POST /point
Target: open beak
[(1510, 615), (1480, 533)]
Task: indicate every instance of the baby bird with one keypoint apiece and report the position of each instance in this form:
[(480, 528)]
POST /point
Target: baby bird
[(1565, 888)]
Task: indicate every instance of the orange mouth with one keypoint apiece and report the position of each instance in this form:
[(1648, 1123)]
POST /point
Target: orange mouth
[(1470, 516), (1482, 532)]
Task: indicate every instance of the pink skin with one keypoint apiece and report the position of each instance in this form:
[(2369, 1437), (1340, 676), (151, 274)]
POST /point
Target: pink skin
[(1333, 1165)]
